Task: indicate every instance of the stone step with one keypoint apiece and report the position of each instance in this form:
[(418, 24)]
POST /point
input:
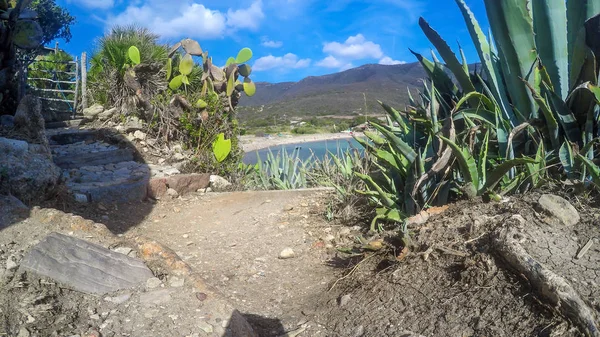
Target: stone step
[(110, 183), (64, 124), (85, 154)]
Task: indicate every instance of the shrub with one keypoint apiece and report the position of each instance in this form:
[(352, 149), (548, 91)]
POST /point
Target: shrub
[(106, 78), (534, 101)]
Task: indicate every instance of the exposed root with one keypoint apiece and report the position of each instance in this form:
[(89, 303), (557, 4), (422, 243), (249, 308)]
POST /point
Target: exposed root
[(548, 284)]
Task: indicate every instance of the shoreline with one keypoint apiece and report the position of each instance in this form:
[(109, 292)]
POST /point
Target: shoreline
[(253, 143)]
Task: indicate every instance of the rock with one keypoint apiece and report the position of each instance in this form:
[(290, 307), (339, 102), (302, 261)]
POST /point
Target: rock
[(139, 135), (12, 210), (170, 171), (13, 146), (81, 198), (188, 183), (23, 333), (133, 124), (11, 263), (118, 299), (7, 121), (205, 327), (123, 250), (344, 300), (172, 193), (329, 238), (29, 176), (93, 111), (178, 156), (29, 122), (84, 266), (176, 282), (157, 188), (219, 183), (287, 253), (156, 296), (560, 208), (95, 317), (107, 114), (153, 282)]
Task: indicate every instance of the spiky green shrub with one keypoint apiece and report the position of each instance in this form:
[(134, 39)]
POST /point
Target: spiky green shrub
[(111, 62), (337, 169), (280, 171), (534, 102)]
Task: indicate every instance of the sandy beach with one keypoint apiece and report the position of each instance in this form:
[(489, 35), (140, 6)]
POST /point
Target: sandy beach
[(253, 143)]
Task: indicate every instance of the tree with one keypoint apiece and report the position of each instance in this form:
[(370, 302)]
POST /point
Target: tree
[(55, 21)]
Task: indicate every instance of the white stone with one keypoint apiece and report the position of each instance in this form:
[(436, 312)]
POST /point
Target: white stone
[(287, 253), (139, 135), (218, 183), (153, 282), (172, 192)]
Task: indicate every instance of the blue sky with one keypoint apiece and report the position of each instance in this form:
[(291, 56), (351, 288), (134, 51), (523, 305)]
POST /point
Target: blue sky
[(291, 39)]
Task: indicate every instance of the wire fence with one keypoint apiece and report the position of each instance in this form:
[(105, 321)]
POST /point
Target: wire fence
[(56, 83)]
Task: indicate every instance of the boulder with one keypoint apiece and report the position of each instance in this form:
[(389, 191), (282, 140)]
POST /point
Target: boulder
[(27, 170), (84, 266), (188, 183), (12, 210), (93, 111), (13, 146), (29, 123), (133, 124), (107, 114), (157, 188), (7, 121)]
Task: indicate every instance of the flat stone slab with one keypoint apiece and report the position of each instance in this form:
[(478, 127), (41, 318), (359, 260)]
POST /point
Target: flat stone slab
[(84, 266)]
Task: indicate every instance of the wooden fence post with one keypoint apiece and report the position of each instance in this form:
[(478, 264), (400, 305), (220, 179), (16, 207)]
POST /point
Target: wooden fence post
[(76, 86), (83, 80)]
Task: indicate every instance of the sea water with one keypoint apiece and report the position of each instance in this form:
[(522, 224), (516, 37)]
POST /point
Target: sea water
[(316, 149)]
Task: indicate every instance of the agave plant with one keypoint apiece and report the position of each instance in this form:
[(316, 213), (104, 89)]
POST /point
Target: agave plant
[(541, 72), (536, 95), (281, 171)]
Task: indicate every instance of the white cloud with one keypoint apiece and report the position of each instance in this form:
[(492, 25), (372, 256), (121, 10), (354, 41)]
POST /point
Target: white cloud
[(287, 61), (246, 18), (386, 60), (188, 19), (98, 4), (332, 62), (270, 43), (354, 48)]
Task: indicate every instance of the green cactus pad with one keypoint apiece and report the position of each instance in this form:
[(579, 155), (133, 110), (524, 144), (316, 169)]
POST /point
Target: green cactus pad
[(221, 148), (230, 61), (245, 70), (243, 56), (230, 85), (191, 47), (176, 82), (169, 68), (201, 104), (249, 87), (27, 34), (186, 65), (134, 55), (185, 80)]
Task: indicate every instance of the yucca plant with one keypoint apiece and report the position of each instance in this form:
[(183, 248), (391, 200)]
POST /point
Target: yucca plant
[(280, 171)]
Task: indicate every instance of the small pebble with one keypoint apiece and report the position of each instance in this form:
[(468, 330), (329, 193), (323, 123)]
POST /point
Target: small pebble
[(344, 300), (287, 253), (153, 283)]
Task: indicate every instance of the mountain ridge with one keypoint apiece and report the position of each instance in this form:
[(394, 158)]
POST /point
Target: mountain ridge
[(334, 94)]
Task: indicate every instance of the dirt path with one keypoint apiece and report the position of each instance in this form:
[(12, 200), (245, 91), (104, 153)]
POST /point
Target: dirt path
[(234, 241)]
